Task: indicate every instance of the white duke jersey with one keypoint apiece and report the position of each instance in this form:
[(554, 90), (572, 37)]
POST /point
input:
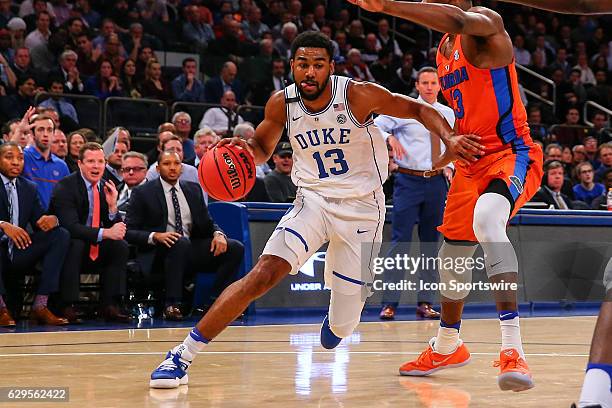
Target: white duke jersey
[(333, 154)]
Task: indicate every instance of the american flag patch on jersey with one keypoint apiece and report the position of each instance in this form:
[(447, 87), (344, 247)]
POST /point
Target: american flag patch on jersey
[(338, 107)]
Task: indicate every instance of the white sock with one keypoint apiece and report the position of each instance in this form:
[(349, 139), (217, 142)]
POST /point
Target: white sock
[(596, 389), (447, 339), (189, 348), (511, 335)]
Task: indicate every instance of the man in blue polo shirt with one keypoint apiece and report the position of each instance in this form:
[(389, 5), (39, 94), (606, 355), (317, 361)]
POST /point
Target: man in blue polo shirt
[(41, 166)]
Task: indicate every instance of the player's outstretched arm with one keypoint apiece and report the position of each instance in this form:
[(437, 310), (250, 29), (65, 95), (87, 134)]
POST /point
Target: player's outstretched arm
[(368, 98), (440, 17), (569, 6), (268, 133)]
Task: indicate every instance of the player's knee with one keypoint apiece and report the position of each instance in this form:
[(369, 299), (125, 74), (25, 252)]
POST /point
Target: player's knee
[(265, 275), (456, 276), (490, 217), (344, 329)]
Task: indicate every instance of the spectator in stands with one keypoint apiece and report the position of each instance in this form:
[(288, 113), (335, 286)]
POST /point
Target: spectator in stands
[(283, 44), (69, 72), (327, 31), (196, 32), (553, 152), (152, 11), (88, 56), (605, 157), (355, 36), (217, 86), (17, 28), (403, 82), (62, 11), (570, 132), (8, 131), (550, 193), (385, 40), (59, 145), (187, 87), (87, 207), (561, 63), (21, 65), (16, 105), (38, 6), (155, 86), (343, 46), (134, 167), (278, 182), (5, 12), (114, 52), (91, 16), (601, 92), (105, 83), (253, 27), (107, 29), (230, 44), (175, 144), (203, 139), (73, 27), (137, 39), (223, 119), (587, 190), (180, 233), (521, 55), (600, 203), (369, 54), (164, 130), (18, 131), (577, 85), (274, 82), (356, 68), (537, 129), (586, 74), (590, 149), (21, 250), (41, 166), (182, 125), (75, 141), (340, 66), (112, 171), (66, 112), (129, 83), (382, 69)]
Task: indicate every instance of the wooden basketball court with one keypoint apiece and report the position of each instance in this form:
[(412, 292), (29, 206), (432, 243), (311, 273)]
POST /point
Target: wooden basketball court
[(285, 366)]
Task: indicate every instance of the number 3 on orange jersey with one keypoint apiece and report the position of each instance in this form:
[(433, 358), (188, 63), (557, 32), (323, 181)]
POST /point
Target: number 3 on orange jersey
[(458, 98)]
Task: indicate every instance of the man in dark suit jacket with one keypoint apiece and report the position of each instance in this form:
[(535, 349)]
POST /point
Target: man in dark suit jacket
[(96, 230), (215, 87), (20, 207), (550, 192), (276, 81), (170, 219)]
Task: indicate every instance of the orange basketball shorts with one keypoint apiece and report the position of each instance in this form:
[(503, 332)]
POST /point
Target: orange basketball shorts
[(520, 168)]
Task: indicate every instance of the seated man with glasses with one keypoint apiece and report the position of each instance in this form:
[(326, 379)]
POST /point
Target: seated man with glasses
[(134, 170), (587, 190)]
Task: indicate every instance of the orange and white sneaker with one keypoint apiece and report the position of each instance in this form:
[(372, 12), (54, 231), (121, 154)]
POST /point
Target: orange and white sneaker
[(430, 361), (513, 371)]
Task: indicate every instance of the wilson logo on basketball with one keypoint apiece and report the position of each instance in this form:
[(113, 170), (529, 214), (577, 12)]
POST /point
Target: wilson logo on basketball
[(247, 164), (234, 179)]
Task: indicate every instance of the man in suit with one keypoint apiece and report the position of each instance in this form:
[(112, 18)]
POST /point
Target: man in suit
[(215, 87), (134, 169), (169, 218), (86, 206), (20, 206), (550, 192), (112, 171), (275, 82)]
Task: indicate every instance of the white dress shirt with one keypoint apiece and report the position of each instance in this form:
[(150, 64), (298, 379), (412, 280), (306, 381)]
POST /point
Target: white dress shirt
[(414, 137), (216, 119), (184, 206)]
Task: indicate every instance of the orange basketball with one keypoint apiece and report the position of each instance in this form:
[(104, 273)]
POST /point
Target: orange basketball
[(227, 173)]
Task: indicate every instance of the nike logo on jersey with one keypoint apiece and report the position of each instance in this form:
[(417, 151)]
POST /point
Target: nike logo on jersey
[(361, 231), (294, 119)]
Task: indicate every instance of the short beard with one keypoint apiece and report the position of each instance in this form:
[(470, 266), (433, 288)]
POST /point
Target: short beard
[(316, 94)]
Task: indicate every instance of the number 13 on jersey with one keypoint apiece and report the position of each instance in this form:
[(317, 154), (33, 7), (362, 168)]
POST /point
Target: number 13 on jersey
[(341, 166)]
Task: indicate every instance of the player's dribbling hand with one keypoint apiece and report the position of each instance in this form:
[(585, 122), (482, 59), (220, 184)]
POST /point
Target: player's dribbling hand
[(466, 147), (375, 6), (234, 141)]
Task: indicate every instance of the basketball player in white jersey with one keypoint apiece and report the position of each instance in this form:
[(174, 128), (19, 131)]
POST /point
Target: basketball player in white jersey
[(340, 164)]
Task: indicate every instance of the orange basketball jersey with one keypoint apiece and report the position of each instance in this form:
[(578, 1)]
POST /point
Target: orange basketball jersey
[(486, 101)]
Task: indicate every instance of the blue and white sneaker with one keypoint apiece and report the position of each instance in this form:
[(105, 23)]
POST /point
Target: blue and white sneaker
[(328, 339), (171, 373)]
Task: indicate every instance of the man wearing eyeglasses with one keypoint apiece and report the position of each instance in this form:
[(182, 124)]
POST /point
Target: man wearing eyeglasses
[(134, 167), (587, 190)]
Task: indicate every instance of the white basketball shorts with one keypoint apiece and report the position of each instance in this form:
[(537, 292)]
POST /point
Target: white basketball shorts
[(346, 224)]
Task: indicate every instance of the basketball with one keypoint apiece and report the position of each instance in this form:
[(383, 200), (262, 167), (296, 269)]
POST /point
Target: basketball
[(227, 173)]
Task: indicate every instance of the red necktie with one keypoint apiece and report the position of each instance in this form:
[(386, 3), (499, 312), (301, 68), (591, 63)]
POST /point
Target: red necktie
[(95, 222)]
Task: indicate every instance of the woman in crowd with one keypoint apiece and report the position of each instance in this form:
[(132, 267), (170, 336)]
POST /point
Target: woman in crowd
[(105, 83), (155, 86), (75, 141)]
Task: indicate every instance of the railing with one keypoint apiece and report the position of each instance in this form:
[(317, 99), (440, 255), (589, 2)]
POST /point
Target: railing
[(88, 115), (597, 106), (393, 30), (137, 115), (537, 96)]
